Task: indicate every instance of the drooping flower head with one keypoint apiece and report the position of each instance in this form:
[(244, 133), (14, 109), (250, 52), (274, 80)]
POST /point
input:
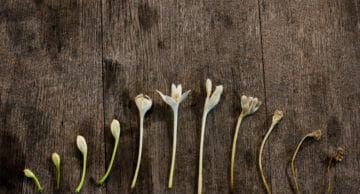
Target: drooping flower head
[(143, 103)]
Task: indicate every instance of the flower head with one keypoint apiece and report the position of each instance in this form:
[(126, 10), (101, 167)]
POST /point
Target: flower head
[(56, 159), (278, 115), (29, 173), (115, 128), (81, 144), (249, 105), (176, 96), (339, 155), (316, 134), (143, 103), (213, 100)]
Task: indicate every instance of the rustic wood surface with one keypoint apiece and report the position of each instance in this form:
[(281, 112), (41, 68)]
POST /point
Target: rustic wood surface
[(68, 68)]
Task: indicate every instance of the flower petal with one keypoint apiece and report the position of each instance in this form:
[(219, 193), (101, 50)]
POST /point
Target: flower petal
[(173, 90), (215, 98), (167, 99), (183, 96), (208, 87)]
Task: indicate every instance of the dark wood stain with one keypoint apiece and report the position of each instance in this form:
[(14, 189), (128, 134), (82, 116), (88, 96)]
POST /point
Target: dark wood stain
[(68, 68)]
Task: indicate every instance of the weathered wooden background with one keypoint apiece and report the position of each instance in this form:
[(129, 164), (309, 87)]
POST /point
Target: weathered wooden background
[(70, 67)]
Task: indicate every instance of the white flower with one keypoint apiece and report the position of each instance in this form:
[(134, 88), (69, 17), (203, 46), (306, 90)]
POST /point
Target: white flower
[(249, 105), (212, 101), (176, 96), (81, 144), (115, 128), (143, 103)]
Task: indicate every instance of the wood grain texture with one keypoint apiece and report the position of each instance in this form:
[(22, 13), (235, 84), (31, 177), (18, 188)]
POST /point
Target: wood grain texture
[(51, 91), (311, 60), (70, 67)]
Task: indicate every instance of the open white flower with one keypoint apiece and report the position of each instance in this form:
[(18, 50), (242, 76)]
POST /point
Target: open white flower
[(143, 103), (249, 105), (176, 96), (210, 102), (173, 101)]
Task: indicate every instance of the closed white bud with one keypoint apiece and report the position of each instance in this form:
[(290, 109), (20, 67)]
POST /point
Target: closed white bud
[(208, 87), (56, 159), (29, 173), (81, 144), (115, 128)]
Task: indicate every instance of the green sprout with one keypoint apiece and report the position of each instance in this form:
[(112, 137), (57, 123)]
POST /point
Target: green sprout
[(30, 174), (56, 160), (174, 101), (115, 130), (81, 144)]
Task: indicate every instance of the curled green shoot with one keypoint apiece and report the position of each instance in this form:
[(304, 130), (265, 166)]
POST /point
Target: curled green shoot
[(28, 173)]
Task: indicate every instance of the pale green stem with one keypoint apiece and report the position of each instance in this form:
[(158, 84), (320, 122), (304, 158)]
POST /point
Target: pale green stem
[(201, 151), (58, 177), (83, 175), (140, 151), (242, 115), (111, 162), (261, 149), (175, 110), (38, 184)]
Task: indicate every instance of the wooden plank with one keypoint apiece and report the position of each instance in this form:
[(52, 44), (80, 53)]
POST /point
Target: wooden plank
[(150, 44), (51, 91), (311, 58)]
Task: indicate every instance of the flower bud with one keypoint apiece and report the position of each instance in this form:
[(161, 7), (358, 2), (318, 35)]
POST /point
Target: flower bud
[(81, 144)]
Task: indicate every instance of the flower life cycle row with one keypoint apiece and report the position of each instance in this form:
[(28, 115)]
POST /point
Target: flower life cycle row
[(143, 102)]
